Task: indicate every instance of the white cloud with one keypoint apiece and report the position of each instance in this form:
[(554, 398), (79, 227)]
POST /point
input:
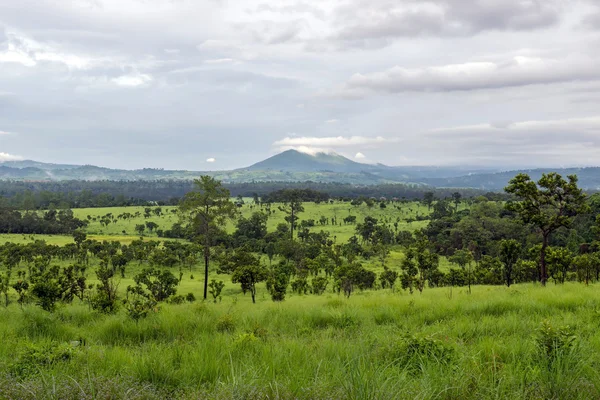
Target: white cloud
[(512, 72), (332, 121), (132, 80), (360, 156), (211, 160), (334, 142), (5, 133), (219, 61), (9, 157)]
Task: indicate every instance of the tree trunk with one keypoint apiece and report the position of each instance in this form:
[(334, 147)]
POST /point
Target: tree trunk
[(206, 262), (253, 294), (543, 270), (292, 223)]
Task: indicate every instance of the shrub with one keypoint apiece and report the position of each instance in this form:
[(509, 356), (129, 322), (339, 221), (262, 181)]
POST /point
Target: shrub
[(40, 355), (319, 284), (190, 298), (226, 324), (552, 343), (414, 351)]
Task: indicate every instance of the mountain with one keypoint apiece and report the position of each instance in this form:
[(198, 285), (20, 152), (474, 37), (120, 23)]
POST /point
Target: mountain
[(295, 161), (295, 166), (589, 178)]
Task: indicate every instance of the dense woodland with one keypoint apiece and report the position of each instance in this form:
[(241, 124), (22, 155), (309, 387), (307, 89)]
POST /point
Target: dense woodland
[(83, 194)]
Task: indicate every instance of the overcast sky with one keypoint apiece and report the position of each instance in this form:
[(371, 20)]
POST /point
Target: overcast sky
[(217, 84)]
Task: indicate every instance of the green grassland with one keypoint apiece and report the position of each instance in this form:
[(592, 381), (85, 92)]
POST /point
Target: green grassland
[(375, 345), (441, 344)]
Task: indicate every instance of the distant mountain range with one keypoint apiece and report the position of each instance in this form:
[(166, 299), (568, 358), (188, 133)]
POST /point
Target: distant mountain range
[(296, 166)]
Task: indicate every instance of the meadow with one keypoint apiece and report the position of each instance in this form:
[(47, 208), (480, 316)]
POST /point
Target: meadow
[(526, 341), (375, 345)]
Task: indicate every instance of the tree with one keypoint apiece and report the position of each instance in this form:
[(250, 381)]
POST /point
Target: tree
[(428, 198), (464, 259), (418, 264), (140, 228), (388, 278), (456, 197), (216, 288), (248, 275), (509, 255), (559, 260), (548, 205), (292, 206), (207, 210), (160, 284)]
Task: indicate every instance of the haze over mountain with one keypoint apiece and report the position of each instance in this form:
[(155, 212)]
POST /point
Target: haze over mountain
[(296, 166)]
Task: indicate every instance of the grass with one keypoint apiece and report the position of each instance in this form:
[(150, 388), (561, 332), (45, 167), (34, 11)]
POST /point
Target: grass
[(375, 345)]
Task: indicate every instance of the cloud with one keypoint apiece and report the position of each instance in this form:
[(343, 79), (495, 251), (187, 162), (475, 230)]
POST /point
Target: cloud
[(332, 121), (360, 156), (219, 61), (376, 23), (211, 160), (560, 142), (5, 133), (9, 157), (333, 142), (132, 80), (513, 72)]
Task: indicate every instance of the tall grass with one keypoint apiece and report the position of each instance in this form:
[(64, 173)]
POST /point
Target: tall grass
[(375, 345)]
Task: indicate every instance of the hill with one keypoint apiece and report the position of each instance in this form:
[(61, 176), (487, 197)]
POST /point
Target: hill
[(295, 166), (589, 178)]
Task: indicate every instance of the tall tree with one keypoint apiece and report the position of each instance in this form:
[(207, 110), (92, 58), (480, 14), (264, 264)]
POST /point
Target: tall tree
[(428, 198), (207, 210), (292, 206), (456, 198), (464, 259), (509, 255), (548, 205)]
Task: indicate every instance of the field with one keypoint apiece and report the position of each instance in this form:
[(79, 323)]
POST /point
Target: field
[(375, 345), (526, 341)]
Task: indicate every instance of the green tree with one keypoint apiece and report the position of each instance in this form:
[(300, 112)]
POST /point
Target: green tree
[(509, 255), (548, 205), (292, 206), (464, 259), (559, 260), (428, 198), (456, 198), (248, 275), (207, 210), (216, 288)]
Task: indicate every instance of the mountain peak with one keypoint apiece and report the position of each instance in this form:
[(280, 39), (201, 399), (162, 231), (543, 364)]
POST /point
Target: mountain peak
[(299, 161)]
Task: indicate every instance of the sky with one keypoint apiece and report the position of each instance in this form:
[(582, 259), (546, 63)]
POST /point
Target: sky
[(221, 84)]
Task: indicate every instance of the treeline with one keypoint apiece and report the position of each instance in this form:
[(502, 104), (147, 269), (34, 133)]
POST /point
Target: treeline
[(83, 194), (50, 222)]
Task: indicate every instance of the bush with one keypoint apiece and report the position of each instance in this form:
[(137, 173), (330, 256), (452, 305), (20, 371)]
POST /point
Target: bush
[(552, 343), (226, 324), (40, 355), (190, 298), (413, 351)]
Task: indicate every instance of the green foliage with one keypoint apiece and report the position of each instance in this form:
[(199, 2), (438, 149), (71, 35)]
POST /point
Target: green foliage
[(413, 353), (215, 289), (555, 342), (548, 205), (32, 357), (225, 324), (319, 285), (105, 298), (155, 284)]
